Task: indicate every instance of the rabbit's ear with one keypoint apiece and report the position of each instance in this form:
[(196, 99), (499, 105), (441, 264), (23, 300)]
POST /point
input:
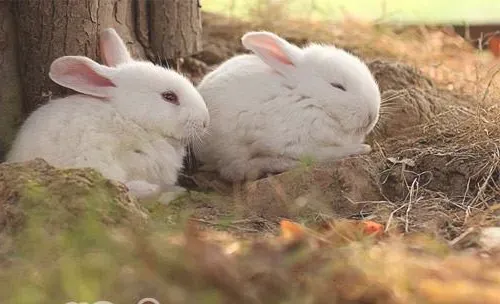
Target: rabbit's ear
[(82, 75), (273, 50), (113, 49)]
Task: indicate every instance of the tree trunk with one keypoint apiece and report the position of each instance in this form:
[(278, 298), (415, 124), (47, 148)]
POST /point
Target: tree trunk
[(48, 29), (175, 28), (10, 84)]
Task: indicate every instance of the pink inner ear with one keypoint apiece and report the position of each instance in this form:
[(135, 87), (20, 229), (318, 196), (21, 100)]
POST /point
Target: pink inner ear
[(104, 45), (113, 48), (85, 74), (278, 54), (275, 51), (103, 55)]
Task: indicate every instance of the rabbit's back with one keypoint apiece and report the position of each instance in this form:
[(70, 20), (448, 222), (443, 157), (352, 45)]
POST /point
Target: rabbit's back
[(80, 132), (224, 83), (63, 131), (229, 98), (252, 109), (232, 110)]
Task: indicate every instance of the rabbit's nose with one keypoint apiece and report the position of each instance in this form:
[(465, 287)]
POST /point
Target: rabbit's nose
[(205, 124)]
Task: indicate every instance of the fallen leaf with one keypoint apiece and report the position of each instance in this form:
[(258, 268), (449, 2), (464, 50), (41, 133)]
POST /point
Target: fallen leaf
[(373, 228), (494, 46), (291, 231)]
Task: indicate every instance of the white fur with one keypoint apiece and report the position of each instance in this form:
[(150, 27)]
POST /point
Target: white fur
[(272, 108), (124, 128)]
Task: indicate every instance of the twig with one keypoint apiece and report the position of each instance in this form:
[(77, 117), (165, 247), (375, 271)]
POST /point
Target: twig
[(486, 180), (223, 225), (486, 91), (453, 242), (407, 221), (389, 220)]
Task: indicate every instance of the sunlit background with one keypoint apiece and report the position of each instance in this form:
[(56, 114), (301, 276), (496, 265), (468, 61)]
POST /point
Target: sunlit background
[(404, 11)]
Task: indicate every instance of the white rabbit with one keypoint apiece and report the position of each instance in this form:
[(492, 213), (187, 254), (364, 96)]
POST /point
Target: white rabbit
[(282, 103), (132, 121)]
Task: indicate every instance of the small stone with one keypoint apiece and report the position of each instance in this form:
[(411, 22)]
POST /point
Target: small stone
[(490, 238)]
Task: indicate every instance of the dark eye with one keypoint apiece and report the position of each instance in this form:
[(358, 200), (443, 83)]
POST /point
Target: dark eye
[(338, 86), (171, 97)]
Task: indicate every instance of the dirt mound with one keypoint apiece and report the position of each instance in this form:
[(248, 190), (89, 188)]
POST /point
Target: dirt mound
[(395, 75), (335, 190), (35, 193), (408, 98), (447, 169), (56, 222), (406, 108)]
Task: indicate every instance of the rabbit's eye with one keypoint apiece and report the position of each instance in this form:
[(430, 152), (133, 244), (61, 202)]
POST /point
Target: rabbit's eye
[(171, 97), (338, 86)]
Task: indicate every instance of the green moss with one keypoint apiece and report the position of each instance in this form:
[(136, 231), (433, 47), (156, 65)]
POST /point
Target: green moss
[(62, 224), (307, 161)]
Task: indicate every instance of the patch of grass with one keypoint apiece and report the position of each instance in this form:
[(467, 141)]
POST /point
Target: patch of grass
[(307, 161)]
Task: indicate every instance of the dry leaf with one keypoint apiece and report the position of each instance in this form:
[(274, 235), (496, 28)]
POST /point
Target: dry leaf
[(373, 228), (291, 231)]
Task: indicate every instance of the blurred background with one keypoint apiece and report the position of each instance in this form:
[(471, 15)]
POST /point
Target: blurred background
[(476, 21), (405, 11)]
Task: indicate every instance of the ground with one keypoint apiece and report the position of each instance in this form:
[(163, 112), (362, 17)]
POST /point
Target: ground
[(403, 224)]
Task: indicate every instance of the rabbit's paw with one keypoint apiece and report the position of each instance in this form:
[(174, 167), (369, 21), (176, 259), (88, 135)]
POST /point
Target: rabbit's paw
[(253, 169), (353, 150), (322, 154), (364, 149), (171, 193), (142, 189)]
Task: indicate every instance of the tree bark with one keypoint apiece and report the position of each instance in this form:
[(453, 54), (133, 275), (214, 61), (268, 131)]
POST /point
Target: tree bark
[(175, 28), (10, 84), (49, 29)]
